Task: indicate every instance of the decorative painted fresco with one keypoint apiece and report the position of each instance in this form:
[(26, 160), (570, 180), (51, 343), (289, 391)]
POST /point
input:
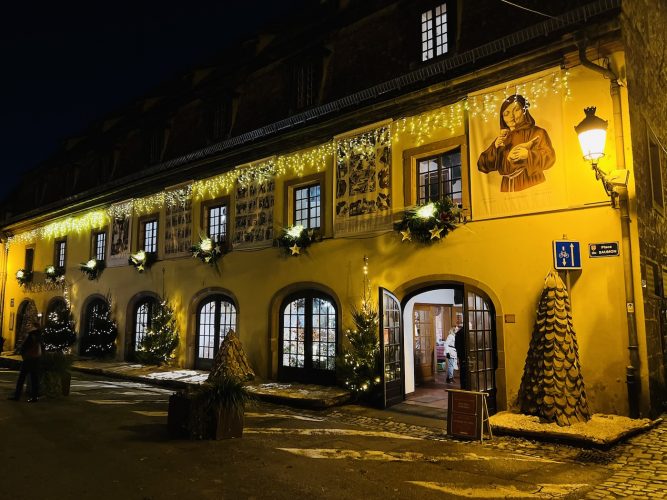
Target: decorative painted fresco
[(121, 231), (253, 221), (516, 153), (363, 182), (178, 222)]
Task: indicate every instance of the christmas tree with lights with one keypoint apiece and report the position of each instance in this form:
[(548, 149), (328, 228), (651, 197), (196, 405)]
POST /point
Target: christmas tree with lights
[(161, 339), (100, 340), (59, 334), (359, 363)]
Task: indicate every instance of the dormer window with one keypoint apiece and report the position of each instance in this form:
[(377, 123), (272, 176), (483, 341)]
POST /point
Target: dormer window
[(434, 31)]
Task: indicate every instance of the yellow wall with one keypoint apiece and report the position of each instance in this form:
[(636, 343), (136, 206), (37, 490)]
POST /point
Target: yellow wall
[(507, 258)]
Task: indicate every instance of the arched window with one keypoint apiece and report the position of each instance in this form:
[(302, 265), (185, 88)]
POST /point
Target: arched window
[(216, 315), (56, 305), (96, 307), (143, 313), (308, 338)]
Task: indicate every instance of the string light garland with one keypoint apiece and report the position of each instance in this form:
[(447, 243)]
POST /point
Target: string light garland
[(420, 128)]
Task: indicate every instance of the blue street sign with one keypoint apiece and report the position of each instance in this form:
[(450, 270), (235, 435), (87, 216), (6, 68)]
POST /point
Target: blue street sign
[(567, 255)]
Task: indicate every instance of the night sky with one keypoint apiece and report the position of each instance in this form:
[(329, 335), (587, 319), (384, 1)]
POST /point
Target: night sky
[(65, 65)]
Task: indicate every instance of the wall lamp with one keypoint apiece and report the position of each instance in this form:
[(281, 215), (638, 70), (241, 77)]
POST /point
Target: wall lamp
[(592, 132)]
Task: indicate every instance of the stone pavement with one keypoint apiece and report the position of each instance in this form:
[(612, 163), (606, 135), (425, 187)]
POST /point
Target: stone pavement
[(637, 467)]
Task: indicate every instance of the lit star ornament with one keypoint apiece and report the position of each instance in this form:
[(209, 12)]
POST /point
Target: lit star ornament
[(435, 233), (406, 235), (295, 249)]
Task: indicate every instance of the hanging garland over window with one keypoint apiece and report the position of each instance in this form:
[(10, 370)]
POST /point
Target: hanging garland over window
[(429, 222), (54, 274), (24, 276), (93, 268), (297, 238), (141, 260)]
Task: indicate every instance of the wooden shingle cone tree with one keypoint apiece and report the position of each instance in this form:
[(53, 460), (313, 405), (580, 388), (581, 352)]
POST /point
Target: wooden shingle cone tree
[(231, 360), (552, 386)]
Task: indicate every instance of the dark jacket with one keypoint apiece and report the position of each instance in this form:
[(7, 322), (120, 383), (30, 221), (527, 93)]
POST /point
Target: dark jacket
[(32, 345)]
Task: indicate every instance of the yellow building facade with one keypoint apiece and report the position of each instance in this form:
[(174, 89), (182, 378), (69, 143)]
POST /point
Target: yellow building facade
[(500, 252)]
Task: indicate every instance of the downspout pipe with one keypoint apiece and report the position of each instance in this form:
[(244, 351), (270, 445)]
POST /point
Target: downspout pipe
[(632, 377), (3, 285)]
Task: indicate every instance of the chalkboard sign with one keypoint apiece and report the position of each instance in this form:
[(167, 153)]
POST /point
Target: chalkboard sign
[(467, 414)]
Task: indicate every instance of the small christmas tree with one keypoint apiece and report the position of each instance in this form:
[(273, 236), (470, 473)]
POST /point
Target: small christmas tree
[(360, 360), (359, 363), (100, 341), (59, 334), (161, 339), (552, 386)]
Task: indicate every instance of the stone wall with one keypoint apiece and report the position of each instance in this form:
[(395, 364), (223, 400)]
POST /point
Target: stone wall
[(645, 38)]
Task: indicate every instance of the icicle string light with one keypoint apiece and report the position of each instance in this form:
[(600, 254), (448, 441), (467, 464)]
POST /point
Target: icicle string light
[(418, 127)]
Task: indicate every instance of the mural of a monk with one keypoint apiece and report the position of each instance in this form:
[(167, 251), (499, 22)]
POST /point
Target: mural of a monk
[(522, 151)]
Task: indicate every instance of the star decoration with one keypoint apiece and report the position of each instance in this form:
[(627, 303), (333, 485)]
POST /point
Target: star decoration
[(406, 235), (295, 249), (435, 233)]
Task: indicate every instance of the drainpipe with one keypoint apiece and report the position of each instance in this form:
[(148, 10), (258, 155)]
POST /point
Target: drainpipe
[(3, 280), (632, 377)]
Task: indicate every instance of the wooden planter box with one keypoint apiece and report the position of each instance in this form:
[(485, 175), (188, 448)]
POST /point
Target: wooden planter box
[(190, 418), (55, 384)]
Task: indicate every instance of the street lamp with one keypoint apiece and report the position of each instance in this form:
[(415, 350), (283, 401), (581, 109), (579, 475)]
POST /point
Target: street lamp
[(592, 132)]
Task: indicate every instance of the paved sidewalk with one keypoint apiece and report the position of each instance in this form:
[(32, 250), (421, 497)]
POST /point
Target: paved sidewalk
[(300, 395)]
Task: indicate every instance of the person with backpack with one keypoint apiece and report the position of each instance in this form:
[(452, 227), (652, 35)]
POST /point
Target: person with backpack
[(31, 352)]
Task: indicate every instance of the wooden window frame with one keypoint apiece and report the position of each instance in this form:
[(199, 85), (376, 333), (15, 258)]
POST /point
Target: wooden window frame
[(449, 12), (288, 201), (141, 228), (56, 253), (93, 243), (29, 248), (413, 155), (206, 206)]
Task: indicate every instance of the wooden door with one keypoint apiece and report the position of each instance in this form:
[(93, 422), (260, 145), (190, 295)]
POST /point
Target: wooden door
[(391, 344), (424, 336)]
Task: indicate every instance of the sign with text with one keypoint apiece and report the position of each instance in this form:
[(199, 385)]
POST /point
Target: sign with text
[(567, 254), (467, 414), (609, 249)]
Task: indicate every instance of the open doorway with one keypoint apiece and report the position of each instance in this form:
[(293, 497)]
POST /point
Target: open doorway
[(431, 320), (448, 341)]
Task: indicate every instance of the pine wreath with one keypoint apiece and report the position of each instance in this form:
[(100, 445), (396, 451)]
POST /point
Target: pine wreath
[(552, 386), (297, 238), (430, 222)]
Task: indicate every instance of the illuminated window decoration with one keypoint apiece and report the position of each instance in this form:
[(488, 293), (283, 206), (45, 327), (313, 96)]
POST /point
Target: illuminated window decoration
[(430, 222), (23, 276), (207, 251), (92, 269), (141, 260), (488, 105), (54, 274), (420, 127), (297, 238)]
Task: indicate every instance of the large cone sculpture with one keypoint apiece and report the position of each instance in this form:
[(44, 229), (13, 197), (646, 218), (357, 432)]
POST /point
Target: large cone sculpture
[(552, 386), (231, 360)]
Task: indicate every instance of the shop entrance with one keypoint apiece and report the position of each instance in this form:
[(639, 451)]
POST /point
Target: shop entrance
[(448, 341)]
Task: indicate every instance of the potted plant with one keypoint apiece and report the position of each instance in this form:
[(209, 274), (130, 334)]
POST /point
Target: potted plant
[(214, 410), (55, 373)]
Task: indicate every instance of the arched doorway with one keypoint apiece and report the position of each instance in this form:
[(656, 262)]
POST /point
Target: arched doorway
[(429, 314), (216, 315), (308, 338), (94, 307), (142, 316)]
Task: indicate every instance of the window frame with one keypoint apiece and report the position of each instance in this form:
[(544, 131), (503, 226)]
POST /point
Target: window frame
[(57, 253), (432, 31), (151, 303), (94, 247), (206, 207), (308, 372), (29, 262), (205, 363), (141, 240), (289, 201), (412, 156), (654, 145)]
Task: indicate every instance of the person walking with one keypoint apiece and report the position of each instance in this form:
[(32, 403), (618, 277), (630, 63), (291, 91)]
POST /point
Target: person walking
[(31, 352)]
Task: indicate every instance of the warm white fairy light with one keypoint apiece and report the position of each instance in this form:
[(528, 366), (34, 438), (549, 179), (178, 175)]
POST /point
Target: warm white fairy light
[(420, 128)]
